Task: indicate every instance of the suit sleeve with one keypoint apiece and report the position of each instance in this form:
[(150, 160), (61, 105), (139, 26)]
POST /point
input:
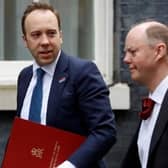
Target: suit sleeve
[(95, 108)]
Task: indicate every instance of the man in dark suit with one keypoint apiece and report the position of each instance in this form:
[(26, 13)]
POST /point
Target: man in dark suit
[(146, 53), (75, 97)]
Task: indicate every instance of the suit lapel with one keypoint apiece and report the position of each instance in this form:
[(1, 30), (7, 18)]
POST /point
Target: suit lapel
[(160, 124), (58, 83)]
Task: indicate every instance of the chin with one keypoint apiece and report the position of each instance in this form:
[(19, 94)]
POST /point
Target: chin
[(135, 78), (45, 62)]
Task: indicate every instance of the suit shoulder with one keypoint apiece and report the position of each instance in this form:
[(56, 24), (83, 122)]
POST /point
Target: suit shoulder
[(25, 70), (84, 69), (79, 63)]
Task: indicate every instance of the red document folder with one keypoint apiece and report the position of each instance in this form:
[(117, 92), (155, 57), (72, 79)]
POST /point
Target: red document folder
[(33, 145)]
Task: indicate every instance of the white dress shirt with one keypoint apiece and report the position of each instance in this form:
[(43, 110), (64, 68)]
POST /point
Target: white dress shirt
[(147, 126), (47, 80)]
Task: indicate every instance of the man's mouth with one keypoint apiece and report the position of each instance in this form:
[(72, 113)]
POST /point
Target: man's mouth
[(45, 52)]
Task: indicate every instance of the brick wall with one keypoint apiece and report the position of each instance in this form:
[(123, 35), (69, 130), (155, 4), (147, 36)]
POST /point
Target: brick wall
[(6, 118), (129, 12)]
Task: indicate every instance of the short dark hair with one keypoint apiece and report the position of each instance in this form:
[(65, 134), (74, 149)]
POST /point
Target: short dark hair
[(41, 6)]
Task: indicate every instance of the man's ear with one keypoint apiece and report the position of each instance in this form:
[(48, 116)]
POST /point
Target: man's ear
[(160, 50), (61, 36), (24, 40)]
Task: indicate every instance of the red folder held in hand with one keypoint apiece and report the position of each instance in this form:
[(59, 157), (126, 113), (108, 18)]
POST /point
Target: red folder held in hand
[(33, 145)]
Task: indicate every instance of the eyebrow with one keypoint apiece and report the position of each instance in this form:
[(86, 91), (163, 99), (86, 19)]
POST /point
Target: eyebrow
[(127, 48)]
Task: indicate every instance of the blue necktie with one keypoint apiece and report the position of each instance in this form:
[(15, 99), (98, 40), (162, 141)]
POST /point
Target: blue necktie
[(36, 101)]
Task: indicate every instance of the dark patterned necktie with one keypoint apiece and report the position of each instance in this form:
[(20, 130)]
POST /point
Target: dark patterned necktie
[(36, 100), (147, 107)]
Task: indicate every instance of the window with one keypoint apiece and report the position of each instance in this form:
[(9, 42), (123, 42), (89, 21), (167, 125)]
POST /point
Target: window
[(87, 30)]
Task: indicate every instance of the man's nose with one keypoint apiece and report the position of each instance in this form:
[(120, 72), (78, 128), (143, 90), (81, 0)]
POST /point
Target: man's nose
[(44, 40), (127, 58)]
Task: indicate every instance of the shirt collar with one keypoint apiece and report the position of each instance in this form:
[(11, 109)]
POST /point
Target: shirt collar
[(49, 69), (160, 91)]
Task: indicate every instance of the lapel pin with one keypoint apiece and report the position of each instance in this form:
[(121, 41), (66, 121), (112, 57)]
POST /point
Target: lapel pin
[(62, 79)]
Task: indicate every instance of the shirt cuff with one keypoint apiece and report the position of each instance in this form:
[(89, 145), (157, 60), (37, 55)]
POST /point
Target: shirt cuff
[(66, 164)]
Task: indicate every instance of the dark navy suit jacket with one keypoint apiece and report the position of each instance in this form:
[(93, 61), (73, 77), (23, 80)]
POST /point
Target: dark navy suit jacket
[(158, 151), (78, 102)]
